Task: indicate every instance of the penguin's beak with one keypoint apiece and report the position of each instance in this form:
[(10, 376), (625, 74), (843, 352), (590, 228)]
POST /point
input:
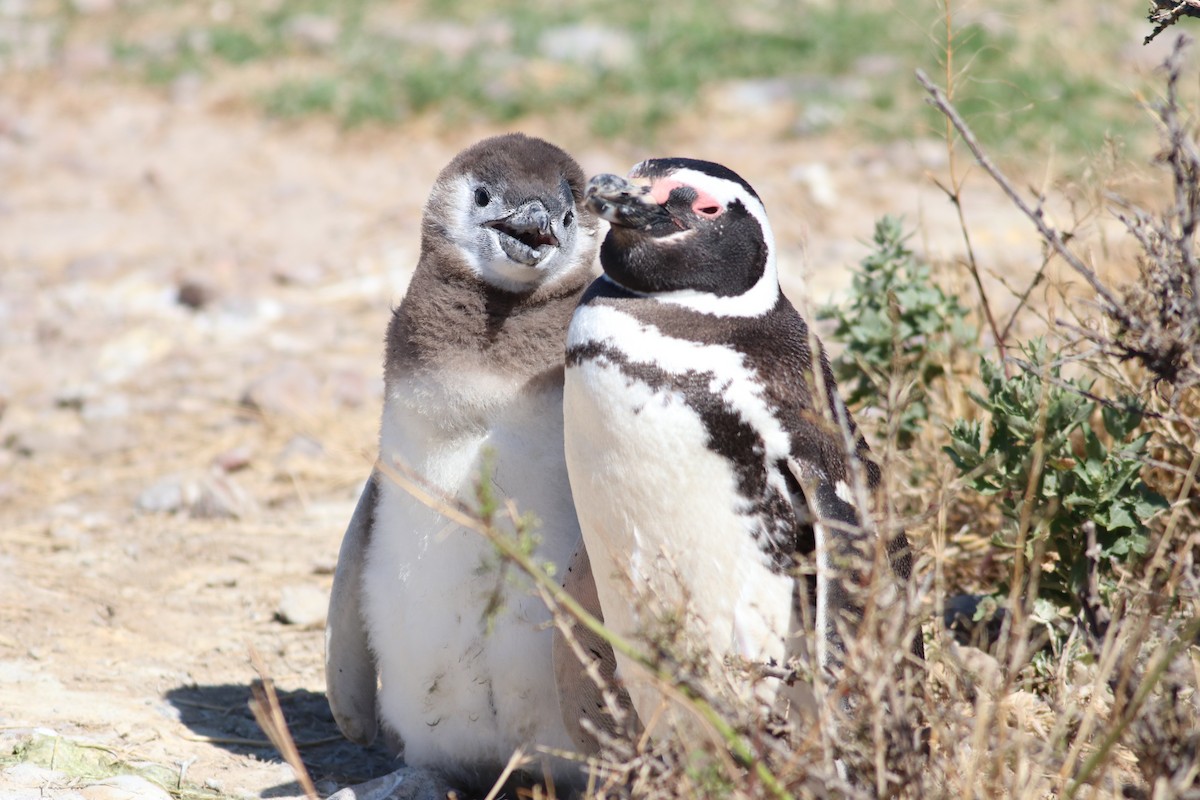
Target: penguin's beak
[(531, 225), (625, 204)]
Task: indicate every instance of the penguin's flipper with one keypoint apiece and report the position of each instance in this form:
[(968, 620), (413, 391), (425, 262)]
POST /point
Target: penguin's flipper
[(843, 553), (350, 671), (579, 696)]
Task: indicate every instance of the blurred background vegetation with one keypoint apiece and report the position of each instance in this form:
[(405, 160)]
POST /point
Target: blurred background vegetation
[(1036, 76)]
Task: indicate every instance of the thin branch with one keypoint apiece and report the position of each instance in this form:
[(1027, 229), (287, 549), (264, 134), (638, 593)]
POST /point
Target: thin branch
[(954, 193), (269, 714), (1166, 13), (939, 101), (1097, 614), (1024, 298), (955, 197)]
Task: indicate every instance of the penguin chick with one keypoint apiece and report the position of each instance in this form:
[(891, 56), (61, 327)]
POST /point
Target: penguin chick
[(705, 442), (474, 365)]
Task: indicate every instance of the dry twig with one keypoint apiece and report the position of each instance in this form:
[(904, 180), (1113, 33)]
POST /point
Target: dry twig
[(1053, 237), (269, 714), (1165, 13)]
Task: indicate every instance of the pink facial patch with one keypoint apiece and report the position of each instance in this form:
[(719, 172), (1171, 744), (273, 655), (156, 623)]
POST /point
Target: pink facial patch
[(705, 204)]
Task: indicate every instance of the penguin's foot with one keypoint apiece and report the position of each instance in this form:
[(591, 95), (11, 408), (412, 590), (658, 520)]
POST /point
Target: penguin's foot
[(406, 783)]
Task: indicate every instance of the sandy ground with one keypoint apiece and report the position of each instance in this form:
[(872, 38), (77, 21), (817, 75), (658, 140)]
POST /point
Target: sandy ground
[(152, 524)]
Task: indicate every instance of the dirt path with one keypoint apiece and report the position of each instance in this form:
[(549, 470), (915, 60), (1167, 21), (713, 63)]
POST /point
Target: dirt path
[(151, 524)]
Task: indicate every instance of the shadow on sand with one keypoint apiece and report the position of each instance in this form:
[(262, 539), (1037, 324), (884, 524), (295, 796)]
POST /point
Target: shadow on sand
[(223, 713)]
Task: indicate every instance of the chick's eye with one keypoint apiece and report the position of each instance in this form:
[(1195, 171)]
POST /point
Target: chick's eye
[(482, 198), (568, 218)]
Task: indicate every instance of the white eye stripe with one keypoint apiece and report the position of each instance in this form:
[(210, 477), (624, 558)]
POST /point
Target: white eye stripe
[(763, 296)]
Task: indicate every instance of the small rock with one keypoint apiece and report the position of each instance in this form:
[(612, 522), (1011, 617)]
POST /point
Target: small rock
[(302, 273), (598, 45), (194, 294), (351, 388), (98, 266), (234, 459), (877, 65), (818, 180), (220, 497), (165, 496), (959, 619), (289, 389), (124, 787), (300, 448), (94, 6), (72, 397), (68, 536), (106, 406), (751, 95), (185, 89), (931, 153), (87, 59), (130, 353), (303, 605), (817, 118), (312, 31), (27, 775), (406, 783), (326, 787), (221, 581)]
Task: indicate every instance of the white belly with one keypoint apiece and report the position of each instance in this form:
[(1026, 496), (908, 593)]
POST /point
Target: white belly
[(660, 515), (458, 694)]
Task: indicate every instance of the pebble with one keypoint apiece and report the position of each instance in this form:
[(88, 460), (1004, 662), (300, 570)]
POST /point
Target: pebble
[(214, 495), (124, 787), (352, 388), (94, 6), (816, 178), (164, 496), (303, 605), (221, 497), (234, 459), (298, 273), (131, 352), (597, 45), (27, 775), (299, 448), (290, 389), (312, 31), (194, 294), (406, 783)]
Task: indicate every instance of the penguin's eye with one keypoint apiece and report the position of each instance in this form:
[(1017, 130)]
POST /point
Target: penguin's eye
[(482, 198), (568, 218), (708, 211)]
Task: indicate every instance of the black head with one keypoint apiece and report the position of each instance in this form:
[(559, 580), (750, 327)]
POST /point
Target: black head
[(687, 231)]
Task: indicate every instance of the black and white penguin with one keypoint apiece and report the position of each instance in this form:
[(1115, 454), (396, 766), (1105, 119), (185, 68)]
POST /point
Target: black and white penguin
[(705, 442), (474, 364)]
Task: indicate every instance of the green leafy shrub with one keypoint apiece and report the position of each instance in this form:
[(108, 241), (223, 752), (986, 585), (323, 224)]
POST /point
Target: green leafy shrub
[(899, 328), (1081, 474)]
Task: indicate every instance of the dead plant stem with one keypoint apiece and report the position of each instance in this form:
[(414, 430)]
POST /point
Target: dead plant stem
[(1037, 216), (954, 193)]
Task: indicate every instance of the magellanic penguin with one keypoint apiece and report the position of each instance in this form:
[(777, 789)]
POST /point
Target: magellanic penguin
[(706, 445), (474, 365)]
